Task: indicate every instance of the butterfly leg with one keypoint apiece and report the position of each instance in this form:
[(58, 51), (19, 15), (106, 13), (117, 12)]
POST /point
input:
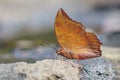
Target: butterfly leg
[(59, 57), (71, 55), (62, 58), (78, 62)]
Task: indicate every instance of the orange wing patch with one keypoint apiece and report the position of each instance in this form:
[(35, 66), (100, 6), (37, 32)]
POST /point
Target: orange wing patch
[(95, 43), (74, 41)]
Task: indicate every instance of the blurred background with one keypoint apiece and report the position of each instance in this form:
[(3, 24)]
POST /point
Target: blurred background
[(27, 26)]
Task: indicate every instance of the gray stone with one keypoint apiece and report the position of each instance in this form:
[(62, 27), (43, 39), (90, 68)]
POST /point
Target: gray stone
[(98, 69), (91, 69)]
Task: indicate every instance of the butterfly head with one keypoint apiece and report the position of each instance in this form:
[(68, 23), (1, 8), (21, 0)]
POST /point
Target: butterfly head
[(60, 51), (65, 53)]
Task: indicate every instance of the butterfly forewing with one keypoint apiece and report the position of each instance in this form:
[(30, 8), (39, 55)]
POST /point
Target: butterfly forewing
[(70, 34)]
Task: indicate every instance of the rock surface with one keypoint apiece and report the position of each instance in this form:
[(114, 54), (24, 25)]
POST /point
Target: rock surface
[(92, 69), (98, 69), (113, 54), (41, 70)]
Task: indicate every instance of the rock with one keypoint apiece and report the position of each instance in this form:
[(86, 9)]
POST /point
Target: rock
[(113, 54), (92, 69), (98, 69), (41, 70)]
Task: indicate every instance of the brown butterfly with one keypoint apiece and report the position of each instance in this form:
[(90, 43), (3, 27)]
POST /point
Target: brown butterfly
[(74, 41)]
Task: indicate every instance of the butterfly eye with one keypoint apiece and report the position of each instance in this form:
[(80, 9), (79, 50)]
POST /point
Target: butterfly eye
[(57, 51)]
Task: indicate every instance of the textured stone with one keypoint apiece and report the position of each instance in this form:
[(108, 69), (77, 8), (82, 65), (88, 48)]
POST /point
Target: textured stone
[(41, 70), (91, 69), (98, 69)]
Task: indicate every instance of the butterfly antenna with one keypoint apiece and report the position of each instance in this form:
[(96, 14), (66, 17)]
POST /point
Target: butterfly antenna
[(48, 44)]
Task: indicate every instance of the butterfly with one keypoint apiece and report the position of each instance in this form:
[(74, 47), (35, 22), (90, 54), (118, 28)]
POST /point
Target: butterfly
[(74, 41)]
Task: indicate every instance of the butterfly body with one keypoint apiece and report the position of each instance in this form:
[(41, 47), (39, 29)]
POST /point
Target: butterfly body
[(74, 41)]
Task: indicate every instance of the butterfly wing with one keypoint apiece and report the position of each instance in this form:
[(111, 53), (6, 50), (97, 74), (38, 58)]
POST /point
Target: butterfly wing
[(94, 42), (72, 37), (93, 51)]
